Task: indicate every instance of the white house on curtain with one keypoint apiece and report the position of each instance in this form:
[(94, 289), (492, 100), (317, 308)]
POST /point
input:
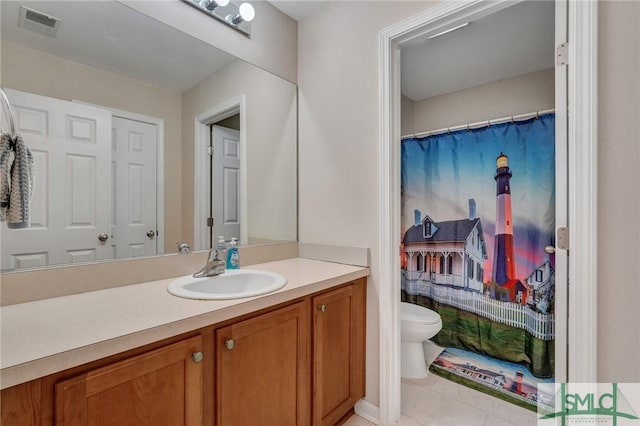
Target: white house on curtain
[(449, 253), (541, 287)]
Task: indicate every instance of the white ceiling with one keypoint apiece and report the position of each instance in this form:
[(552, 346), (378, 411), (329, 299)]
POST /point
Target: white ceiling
[(113, 37), (515, 41)]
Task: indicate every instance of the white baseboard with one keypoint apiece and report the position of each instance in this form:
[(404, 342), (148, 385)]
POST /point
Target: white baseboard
[(367, 411)]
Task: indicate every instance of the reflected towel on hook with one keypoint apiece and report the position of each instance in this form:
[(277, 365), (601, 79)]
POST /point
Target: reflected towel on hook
[(17, 213), (6, 158)]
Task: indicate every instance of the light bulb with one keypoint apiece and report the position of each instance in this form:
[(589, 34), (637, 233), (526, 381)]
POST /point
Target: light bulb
[(210, 5), (247, 12)]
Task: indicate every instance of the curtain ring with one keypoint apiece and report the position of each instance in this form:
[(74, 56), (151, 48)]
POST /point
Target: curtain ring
[(512, 120), (468, 129), (537, 115)]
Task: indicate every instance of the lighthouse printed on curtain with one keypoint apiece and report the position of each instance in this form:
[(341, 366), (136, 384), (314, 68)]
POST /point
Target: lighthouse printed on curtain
[(504, 269)]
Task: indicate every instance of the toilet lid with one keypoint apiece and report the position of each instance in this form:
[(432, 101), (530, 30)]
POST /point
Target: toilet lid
[(415, 313)]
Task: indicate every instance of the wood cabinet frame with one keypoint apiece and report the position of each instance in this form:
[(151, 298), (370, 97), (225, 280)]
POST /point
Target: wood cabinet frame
[(34, 403)]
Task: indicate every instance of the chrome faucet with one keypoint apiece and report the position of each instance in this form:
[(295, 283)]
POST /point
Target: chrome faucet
[(215, 265)]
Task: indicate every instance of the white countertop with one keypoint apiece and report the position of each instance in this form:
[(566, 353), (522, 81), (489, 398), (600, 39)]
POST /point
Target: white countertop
[(46, 336)]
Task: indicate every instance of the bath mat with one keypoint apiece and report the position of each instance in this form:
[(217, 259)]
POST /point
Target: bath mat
[(505, 380)]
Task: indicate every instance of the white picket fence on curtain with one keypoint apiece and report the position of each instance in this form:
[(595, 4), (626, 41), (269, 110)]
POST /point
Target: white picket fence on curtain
[(538, 324)]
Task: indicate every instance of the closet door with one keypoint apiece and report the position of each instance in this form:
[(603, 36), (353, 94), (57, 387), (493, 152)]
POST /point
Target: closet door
[(134, 227), (71, 205)]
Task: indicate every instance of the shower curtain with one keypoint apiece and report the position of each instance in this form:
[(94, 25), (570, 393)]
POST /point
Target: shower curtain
[(478, 209)]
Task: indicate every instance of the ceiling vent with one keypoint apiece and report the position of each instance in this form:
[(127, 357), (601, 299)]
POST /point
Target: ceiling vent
[(39, 22)]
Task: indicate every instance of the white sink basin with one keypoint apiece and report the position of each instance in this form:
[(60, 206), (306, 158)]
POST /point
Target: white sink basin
[(232, 284)]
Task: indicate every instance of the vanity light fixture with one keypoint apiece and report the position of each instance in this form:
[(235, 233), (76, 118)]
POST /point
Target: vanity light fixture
[(238, 18), (448, 31)]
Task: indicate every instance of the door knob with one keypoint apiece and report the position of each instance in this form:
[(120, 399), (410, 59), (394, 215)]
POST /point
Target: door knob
[(151, 233), (322, 308), (230, 344), (103, 237), (550, 249), (197, 356)]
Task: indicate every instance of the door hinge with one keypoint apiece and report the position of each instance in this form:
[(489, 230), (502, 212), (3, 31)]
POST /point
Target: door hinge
[(562, 238), (562, 55), (210, 222), (210, 150)]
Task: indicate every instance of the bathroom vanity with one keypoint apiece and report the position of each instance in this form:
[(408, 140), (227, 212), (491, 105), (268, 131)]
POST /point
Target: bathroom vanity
[(293, 357)]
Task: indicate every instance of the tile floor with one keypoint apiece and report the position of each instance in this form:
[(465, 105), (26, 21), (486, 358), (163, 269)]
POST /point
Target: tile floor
[(434, 401)]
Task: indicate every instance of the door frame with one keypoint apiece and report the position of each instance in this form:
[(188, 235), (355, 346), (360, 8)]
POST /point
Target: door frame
[(202, 183), (159, 123), (581, 306)]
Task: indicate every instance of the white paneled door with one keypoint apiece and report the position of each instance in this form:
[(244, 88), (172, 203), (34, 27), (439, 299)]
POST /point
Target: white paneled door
[(226, 181), (134, 163), (71, 205)]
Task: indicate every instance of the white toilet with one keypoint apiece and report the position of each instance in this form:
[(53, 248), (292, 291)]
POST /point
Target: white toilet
[(417, 324)]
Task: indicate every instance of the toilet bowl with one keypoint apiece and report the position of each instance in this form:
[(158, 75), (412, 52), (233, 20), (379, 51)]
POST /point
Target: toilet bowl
[(417, 324)]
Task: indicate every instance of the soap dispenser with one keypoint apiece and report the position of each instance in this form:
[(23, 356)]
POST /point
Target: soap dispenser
[(221, 246), (233, 258)]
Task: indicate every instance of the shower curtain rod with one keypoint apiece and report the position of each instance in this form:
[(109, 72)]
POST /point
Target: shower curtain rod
[(480, 124)]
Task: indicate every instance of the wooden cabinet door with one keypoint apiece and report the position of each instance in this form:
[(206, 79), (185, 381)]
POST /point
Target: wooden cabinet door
[(21, 405), (159, 388), (338, 375), (262, 369)]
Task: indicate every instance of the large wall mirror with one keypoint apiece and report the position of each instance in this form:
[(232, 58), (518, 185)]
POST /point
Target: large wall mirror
[(143, 137)]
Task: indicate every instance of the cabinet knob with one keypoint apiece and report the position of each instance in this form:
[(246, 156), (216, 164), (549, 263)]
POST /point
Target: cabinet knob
[(197, 356), (230, 344), (322, 308)]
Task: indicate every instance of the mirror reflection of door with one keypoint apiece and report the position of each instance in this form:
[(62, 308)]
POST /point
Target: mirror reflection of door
[(134, 227), (71, 203), (225, 175)]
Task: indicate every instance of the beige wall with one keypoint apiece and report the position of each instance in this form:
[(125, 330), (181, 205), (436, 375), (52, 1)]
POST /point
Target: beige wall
[(619, 191), (338, 160), (271, 149), (47, 75), (406, 115), (273, 41), (519, 95), (338, 140)]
